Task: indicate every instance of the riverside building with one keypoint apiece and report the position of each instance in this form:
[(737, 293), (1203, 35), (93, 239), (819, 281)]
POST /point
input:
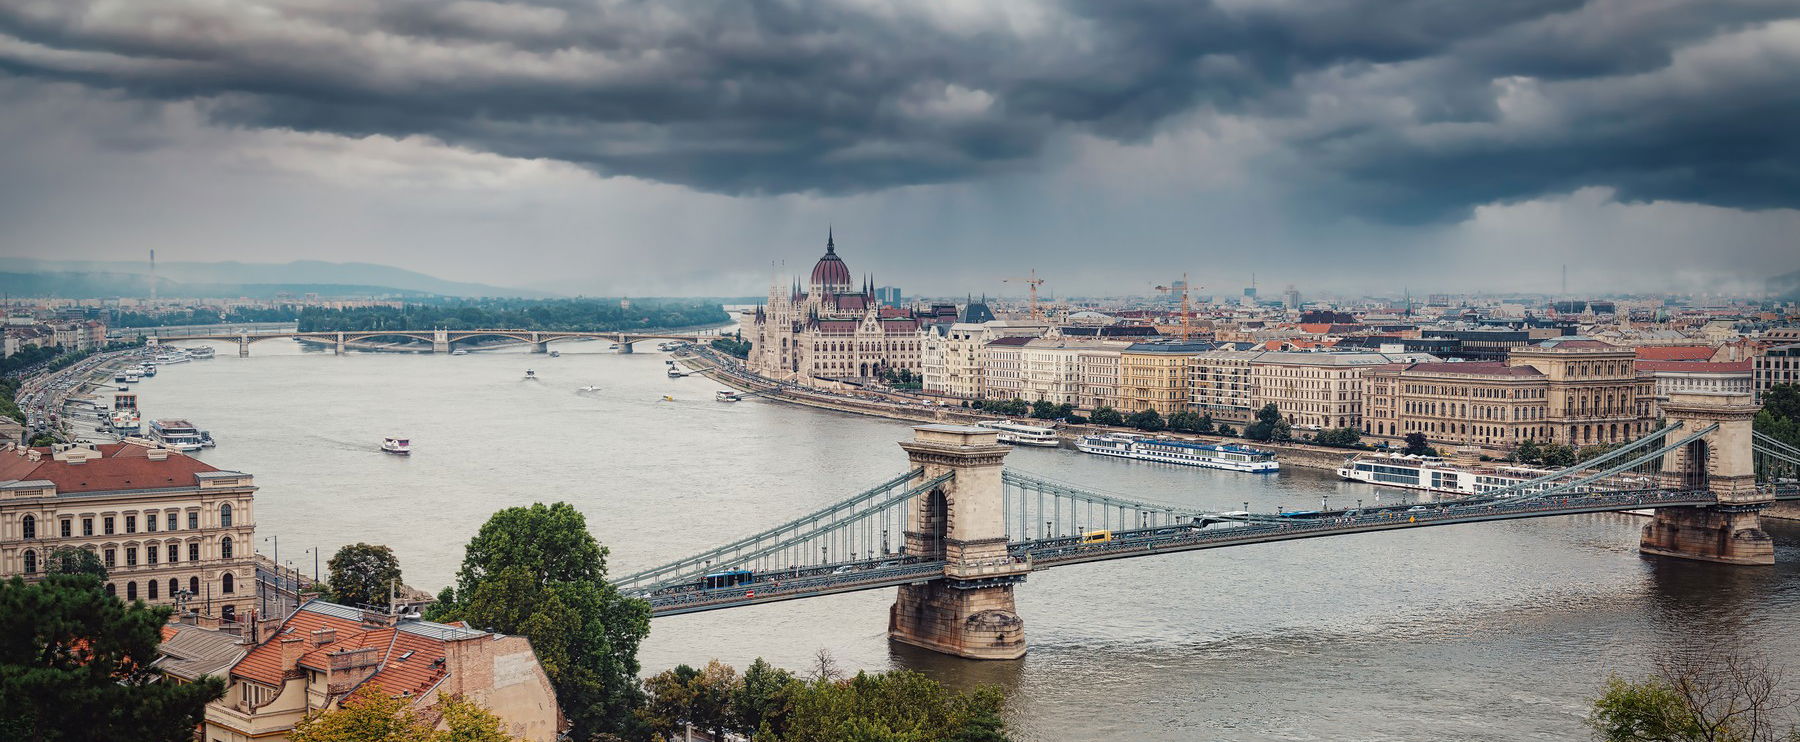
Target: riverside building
[(830, 328), (170, 529)]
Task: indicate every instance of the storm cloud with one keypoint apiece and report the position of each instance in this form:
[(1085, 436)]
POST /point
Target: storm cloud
[(1401, 111)]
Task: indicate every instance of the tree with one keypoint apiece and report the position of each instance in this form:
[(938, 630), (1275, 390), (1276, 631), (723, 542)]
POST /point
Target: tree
[(1417, 445), (361, 574), (1104, 415), (1148, 420), (1204, 426), (1698, 698), (1780, 414), (370, 714), (69, 560), (1269, 425), (1559, 455), (703, 698), (762, 696), (1043, 409), (1183, 422), (75, 665), (536, 571), (1227, 430), (1339, 437), (1528, 452)]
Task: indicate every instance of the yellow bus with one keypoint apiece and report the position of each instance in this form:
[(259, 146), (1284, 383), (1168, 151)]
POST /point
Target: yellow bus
[(1096, 537)]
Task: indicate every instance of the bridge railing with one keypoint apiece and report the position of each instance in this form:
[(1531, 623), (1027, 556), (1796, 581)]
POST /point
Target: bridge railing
[(1059, 508)]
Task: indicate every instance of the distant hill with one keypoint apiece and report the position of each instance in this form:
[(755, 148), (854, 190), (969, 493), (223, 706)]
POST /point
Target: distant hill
[(297, 273), (78, 285)]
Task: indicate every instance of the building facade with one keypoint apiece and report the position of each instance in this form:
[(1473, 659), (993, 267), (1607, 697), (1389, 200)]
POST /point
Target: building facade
[(1003, 368), (170, 529), (1154, 376), (1317, 390), (1777, 365), (1490, 405), (831, 329), (1672, 377), (952, 357), (1595, 393), (1219, 385)]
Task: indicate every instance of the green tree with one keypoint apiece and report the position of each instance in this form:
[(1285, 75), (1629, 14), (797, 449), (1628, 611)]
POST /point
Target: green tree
[(763, 697), (361, 574), (1780, 414), (69, 560), (1528, 452), (1227, 430), (1183, 422), (1711, 697), (1269, 425), (536, 571), (703, 698), (1104, 415), (1417, 445), (1559, 455), (1148, 420), (1339, 437), (370, 714), (76, 665), (1043, 409)]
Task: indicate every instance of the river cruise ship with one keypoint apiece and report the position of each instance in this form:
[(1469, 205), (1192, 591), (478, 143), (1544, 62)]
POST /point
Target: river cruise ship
[(1434, 474), (201, 352), (179, 435), (1020, 434), (1227, 456)]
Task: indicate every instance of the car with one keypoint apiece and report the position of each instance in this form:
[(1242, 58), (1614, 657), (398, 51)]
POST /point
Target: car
[(843, 570), (885, 565), (1416, 509)]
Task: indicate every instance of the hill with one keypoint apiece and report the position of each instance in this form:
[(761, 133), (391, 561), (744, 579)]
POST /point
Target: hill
[(296, 273)]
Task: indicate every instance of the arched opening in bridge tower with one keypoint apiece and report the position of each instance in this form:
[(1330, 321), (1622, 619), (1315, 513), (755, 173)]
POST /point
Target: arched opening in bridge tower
[(1693, 469), (933, 522)]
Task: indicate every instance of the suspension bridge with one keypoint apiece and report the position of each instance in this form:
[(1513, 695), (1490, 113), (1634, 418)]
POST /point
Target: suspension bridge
[(441, 340), (958, 532)]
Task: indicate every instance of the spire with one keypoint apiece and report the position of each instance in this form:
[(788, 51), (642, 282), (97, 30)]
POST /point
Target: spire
[(830, 241)]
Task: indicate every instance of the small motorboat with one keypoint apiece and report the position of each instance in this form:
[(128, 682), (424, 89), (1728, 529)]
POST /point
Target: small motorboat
[(675, 373), (206, 440), (727, 395), (397, 446), (459, 352), (667, 398), (556, 354), (530, 375), (588, 388)]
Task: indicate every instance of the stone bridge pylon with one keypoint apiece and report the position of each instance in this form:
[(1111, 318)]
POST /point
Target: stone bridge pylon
[(1722, 462), (968, 612)]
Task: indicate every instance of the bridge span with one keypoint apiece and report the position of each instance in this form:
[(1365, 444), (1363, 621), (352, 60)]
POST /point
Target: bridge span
[(441, 340), (956, 534)]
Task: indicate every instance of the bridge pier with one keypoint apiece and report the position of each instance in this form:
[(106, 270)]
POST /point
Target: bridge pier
[(538, 344), (624, 347), (440, 341), (243, 346), (339, 348), (969, 611), (1727, 533)]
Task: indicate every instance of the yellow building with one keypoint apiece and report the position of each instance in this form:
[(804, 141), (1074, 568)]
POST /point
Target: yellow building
[(1595, 393), (1154, 376), (1488, 404)]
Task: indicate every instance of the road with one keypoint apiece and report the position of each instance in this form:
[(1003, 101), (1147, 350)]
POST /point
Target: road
[(44, 395)]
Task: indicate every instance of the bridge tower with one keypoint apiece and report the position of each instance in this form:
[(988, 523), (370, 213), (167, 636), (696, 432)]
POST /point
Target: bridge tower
[(340, 344), (440, 341), (624, 347), (538, 345), (969, 611), (1722, 462), (243, 345)]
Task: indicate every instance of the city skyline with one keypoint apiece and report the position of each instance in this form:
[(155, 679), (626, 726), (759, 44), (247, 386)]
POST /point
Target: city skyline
[(668, 152)]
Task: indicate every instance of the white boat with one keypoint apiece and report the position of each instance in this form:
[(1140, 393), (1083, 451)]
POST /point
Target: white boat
[(206, 440), (530, 375), (727, 395), (125, 422), (179, 435), (147, 370), (459, 352), (200, 353), (397, 446), (133, 377), (589, 388), (119, 377), (1020, 434), (675, 373), (1435, 474), (164, 359), (1227, 456)]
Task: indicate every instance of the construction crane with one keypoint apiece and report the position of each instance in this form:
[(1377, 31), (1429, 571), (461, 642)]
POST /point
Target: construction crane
[(1187, 314), (1033, 281)]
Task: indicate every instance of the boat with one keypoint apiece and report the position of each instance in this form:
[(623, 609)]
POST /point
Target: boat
[(206, 440), (727, 395), (530, 375), (667, 398), (147, 370), (176, 434), (125, 422), (1227, 456), (200, 353), (556, 354), (397, 446), (459, 352), (164, 359), (119, 377), (614, 346), (123, 388), (133, 377), (675, 373), (1434, 474), (1020, 434), (589, 388)]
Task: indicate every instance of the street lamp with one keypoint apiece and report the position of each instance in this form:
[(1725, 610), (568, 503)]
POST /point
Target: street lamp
[(315, 553)]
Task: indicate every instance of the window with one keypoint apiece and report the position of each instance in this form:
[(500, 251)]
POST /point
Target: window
[(225, 515), (225, 548), (173, 521), (194, 552), (108, 527), (150, 589), (131, 556), (131, 590), (150, 522), (227, 584), (110, 558), (112, 591), (68, 528), (174, 587), (150, 554), (30, 562), (193, 586), (131, 524), (174, 553), (29, 525), (87, 526), (194, 520)]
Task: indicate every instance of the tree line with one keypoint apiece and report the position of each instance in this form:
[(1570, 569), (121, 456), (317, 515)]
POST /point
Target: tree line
[(560, 315)]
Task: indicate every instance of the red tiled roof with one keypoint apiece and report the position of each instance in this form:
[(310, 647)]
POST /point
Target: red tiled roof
[(1696, 367), (121, 466), (406, 660), (1674, 353)]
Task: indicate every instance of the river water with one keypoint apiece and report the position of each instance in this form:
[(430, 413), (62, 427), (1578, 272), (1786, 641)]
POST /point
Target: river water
[(1498, 631)]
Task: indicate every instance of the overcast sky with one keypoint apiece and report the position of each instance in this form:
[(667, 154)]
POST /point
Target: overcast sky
[(693, 147)]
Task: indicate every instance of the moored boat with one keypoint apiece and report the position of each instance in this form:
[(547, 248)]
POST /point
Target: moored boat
[(727, 395), (1435, 474), (1020, 434), (1227, 456), (176, 434)]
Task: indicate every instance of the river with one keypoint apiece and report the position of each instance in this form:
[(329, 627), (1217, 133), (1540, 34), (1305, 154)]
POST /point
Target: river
[(1496, 631)]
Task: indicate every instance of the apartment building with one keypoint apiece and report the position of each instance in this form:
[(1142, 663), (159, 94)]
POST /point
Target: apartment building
[(1318, 390), (1776, 365), (1491, 405), (1219, 385), (952, 357), (170, 529), (1072, 371), (1154, 376), (1003, 368), (1671, 377)]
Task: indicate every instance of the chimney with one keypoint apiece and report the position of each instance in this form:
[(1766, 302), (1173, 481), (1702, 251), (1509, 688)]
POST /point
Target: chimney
[(324, 636), (291, 649), (157, 454)]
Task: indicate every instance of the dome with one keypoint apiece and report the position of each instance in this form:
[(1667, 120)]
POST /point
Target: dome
[(830, 273)]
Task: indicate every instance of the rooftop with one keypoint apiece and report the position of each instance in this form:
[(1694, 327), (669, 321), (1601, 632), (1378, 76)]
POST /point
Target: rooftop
[(109, 467)]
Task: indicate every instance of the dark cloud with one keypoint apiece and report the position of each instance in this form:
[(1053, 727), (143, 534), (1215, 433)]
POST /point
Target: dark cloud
[(1405, 110)]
